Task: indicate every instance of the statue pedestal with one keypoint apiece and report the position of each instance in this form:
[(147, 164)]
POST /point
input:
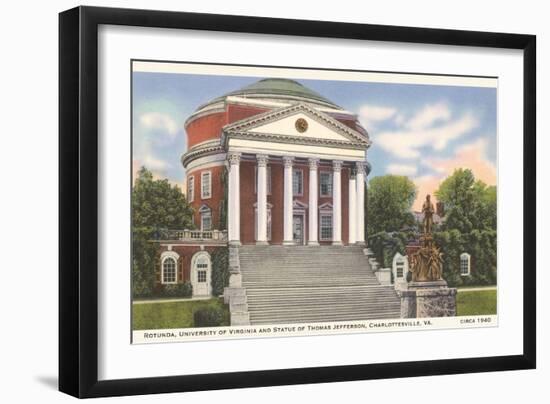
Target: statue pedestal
[(428, 299)]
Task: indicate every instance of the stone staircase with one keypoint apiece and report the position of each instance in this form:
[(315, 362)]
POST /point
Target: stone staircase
[(300, 284)]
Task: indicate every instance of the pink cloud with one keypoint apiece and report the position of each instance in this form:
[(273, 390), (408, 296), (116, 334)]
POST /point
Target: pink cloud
[(472, 156), (425, 185)]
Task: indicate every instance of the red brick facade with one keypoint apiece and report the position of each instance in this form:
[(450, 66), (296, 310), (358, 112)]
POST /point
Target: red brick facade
[(183, 268), (217, 194), (208, 127)]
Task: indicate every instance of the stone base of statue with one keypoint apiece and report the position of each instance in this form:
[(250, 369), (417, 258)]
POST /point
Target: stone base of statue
[(428, 299)]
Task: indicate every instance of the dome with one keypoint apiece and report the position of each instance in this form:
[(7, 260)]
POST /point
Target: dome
[(277, 89)]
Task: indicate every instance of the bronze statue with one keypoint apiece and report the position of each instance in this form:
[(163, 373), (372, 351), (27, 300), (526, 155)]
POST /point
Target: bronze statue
[(427, 262), (428, 210)]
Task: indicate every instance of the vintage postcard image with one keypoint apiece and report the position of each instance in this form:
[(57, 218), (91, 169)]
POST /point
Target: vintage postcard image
[(287, 202)]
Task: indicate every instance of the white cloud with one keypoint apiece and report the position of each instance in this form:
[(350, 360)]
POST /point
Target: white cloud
[(154, 164), (371, 114), (402, 169), (405, 143), (429, 115), (159, 121)]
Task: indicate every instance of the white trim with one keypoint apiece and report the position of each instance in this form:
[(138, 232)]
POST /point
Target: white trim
[(329, 215), (468, 257), (329, 174), (205, 209), (209, 161), (203, 174), (302, 214), (294, 169), (194, 270), (295, 150), (163, 257), (260, 122), (190, 190)]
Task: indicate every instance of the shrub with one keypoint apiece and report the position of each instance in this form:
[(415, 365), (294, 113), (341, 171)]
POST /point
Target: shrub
[(177, 290), (208, 317)]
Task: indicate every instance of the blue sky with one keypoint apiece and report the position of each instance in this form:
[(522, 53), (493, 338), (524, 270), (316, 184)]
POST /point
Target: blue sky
[(422, 131)]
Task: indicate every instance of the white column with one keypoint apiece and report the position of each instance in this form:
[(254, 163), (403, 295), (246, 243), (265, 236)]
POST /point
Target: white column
[(234, 200), (313, 201), (360, 179), (288, 238), (261, 220), (352, 208), (336, 203)]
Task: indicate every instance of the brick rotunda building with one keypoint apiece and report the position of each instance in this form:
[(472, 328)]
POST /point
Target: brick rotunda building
[(276, 172), (295, 161)]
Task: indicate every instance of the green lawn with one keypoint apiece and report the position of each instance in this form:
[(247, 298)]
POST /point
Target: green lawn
[(151, 316), (476, 302)]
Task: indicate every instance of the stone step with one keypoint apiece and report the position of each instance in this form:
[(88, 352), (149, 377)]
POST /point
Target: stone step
[(259, 285), (347, 307), (322, 317), (321, 295), (300, 284), (323, 290), (322, 311), (320, 320), (307, 274), (319, 299)]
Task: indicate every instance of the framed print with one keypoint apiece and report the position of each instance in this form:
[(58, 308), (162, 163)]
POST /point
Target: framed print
[(249, 201)]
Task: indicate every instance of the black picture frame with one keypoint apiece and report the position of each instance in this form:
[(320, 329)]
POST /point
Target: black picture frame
[(78, 200)]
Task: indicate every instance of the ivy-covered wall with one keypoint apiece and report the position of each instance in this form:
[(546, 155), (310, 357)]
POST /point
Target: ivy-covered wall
[(220, 270)]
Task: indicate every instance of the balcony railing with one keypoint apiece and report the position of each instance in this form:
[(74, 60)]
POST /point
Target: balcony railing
[(193, 235)]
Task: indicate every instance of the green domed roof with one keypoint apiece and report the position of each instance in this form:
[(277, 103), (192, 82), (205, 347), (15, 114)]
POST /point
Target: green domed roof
[(279, 88)]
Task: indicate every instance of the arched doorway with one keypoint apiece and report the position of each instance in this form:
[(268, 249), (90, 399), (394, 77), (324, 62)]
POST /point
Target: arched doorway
[(201, 274)]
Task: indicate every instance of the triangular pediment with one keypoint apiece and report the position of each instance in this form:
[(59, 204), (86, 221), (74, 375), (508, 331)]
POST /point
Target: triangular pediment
[(296, 204), (298, 123)]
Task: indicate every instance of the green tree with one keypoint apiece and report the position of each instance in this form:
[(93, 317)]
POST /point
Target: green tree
[(469, 204), (156, 205), (469, 226), (390, 198)]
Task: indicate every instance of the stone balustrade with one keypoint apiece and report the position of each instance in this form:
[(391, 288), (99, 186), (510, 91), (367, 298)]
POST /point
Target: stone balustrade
[(194, 235)]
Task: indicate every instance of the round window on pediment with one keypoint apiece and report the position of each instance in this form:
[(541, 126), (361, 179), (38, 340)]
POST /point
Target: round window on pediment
[(301, 125)]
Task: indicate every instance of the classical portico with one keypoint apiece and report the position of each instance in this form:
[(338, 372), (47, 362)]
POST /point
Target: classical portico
[(313, 152)]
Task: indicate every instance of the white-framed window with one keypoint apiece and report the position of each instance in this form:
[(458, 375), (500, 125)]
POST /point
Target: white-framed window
[(400, 267), (191, 188), (169, 267), (297, 182), (206, 218), (325, 226), (206, 184), (325, 183), (201, 276), (464, 264), (268, 178)]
